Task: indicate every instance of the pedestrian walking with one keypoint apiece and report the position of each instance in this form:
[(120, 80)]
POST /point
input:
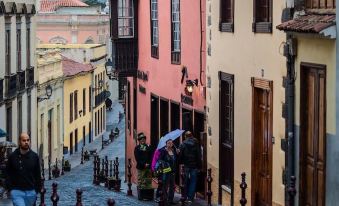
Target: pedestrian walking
[(143, 156), (190, 156), (168, 157), (23, 174)]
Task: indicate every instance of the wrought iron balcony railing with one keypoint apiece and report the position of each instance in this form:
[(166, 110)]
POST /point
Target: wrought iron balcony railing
[(30, 76), (126, 56), (21, 80), (11, 86)]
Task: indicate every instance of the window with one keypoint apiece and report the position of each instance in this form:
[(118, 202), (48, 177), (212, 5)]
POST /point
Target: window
[(125, 19), (154, 29), (227, 15), (9, 125), (175, 17), (262, 20), (76, 104), (71, 108), (19, 115), (84, 101), (28, 41), (18, 43), (8, 47), (90, 99)]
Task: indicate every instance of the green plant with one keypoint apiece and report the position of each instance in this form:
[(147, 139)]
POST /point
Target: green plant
[(67, 164)]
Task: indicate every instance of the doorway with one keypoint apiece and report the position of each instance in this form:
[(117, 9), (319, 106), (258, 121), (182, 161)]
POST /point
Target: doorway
[(199, 128), (187, 120), (76, 140), (312, 134), (49, 130), (164, 121), (262, 120), (71, 143), (226, 135), (175, 124), (154, 121)]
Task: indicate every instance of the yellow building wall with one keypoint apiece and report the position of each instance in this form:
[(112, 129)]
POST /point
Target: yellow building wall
[(318, 51), (79, 83), (245, 54)]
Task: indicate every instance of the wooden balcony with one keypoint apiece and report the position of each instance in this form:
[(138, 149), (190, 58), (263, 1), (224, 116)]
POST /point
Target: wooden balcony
[(11, 86), (21, 81), (30, 76), (126, 56)]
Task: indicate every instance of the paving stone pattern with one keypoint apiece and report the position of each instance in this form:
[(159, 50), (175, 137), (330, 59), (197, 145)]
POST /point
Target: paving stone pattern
[(81, 176)]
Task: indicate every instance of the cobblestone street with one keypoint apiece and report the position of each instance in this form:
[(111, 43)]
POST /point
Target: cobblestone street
[(81, 176)]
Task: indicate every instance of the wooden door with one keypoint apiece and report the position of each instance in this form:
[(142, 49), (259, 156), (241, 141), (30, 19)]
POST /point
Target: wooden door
[(226, 138), (262, 142), (312, 135), (49, 138), (76, 140), (199, 128)]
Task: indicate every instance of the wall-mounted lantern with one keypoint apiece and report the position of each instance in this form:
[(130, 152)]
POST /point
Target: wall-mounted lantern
[(48, 93)]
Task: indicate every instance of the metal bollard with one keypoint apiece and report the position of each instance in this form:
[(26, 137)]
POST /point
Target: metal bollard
[(106, 171), (62, 165), (94, 169), (209, 191), (55, 196), (43, 168), (110, 202), (243, 187), (82, 155), (49, 168), (292, 191), (79, 194), (129, 175), (42, 192)]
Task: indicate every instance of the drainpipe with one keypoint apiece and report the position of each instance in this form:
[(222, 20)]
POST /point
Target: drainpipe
[(290, 100)]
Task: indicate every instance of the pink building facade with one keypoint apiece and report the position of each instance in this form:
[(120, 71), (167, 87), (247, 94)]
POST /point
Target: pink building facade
[(72, 22), (168, 40)]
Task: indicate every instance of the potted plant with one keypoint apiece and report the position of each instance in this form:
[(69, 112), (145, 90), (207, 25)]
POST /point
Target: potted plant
[(55, 171), (67, 166)]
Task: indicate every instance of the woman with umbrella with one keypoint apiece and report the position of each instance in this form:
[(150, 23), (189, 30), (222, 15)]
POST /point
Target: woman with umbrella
[(168, 159)]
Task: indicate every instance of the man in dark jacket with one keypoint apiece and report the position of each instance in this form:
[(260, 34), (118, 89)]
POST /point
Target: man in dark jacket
[(190, 154), (143, 156), (23, 174)]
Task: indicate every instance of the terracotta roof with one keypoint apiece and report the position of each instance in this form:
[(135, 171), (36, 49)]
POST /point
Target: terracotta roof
[(309, 23), (53, 5), (71, 67)]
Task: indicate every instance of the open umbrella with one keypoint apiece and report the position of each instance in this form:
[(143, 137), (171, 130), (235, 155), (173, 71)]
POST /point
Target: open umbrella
[(169, 136), (2, 133)]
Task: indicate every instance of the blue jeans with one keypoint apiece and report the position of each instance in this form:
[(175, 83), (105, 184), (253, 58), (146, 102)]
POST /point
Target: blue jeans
[(190, 182), (23, 197)]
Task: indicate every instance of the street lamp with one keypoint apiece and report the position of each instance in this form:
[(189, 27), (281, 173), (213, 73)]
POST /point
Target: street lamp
[(190, 84), (48, 93), (110, 70)]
